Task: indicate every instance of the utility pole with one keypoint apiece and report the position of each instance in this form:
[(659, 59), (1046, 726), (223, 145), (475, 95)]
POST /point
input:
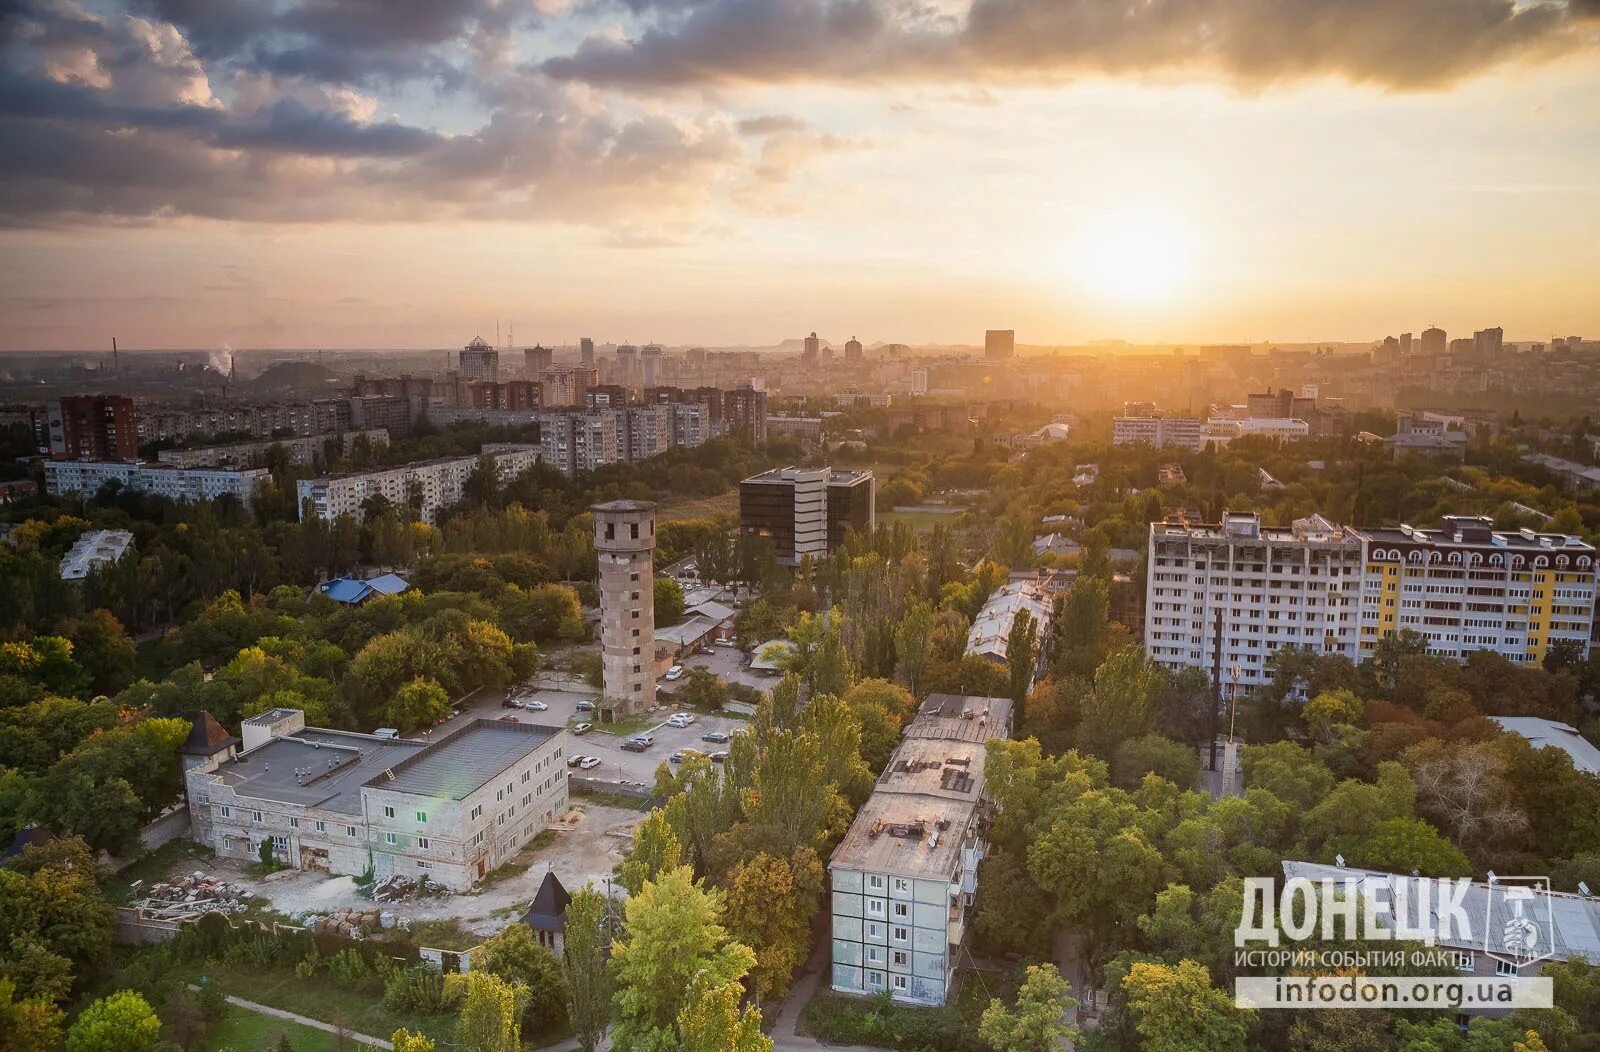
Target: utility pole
[(1216, 687)]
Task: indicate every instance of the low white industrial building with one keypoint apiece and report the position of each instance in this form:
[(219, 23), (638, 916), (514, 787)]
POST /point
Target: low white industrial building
[(92, 550)]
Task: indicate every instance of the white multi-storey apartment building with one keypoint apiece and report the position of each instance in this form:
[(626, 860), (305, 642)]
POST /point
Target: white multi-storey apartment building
[(1271, 587), (905, 874), (337, 802), (1159, 432), (1338, 590), (306, 450), (85, 477), (430, 485)]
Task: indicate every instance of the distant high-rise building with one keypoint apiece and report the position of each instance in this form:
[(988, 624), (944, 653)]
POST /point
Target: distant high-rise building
[(1488, 341), (479, 361), (650, 364), (745, 411), (1433, 341), (627, 364), (999, 343), (93, 427), (538, 360), (1389, 351), (695, 358), (852, 350), (586, 352), (806, 511), (1405, 344), (813, 345)]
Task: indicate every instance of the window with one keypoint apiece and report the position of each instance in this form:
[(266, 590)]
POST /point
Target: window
[(255, 816), (875, 907), (874, 931), (390, 838), (875, 979), (422, 816), (477, 812), (525, 776), (424, 865), (350, 831), (901, 909), (900, 934), (875, 882), (322, 827), (294, 823), (901, 957), (874, 955), (477, 838), (902, 885), (1505, 968), (281, 843), (901, 982), (422, 842), (388, 812), (227, 812)]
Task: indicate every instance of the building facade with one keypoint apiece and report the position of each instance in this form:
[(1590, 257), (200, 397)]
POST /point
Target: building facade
[(904, 876), (806, 511), (479, 361), (93, 427), (300, 451), (1339, 590), (1159, 432), (999, 343), (338, 802), (625, 541), (83, 478), (428, 485)]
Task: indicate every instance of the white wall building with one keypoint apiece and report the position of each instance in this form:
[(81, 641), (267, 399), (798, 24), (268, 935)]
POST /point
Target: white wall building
[(905, 875), (990, 634), (84, 478), (432, 485), (92, 550), (306, 450), (337, 802), (1159, 432)]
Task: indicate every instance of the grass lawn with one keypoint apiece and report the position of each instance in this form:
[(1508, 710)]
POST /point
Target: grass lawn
[(358, 1008), (246, 1031), (703, 508), (628, 728)]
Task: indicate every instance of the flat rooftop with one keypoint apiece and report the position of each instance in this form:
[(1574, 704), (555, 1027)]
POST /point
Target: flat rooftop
[(465, 762), (961, 717), (315, 767), (916, 820), (835, 476)]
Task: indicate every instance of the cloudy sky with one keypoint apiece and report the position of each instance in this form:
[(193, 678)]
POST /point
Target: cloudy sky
[(364, 173)]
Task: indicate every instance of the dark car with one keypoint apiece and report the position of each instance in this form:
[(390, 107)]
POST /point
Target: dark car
[(508, 703), (584, 706), (715, 736), (720, 756), (634, 745)]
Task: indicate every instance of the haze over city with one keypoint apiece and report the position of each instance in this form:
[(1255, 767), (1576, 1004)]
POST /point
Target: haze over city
[(735, 172)]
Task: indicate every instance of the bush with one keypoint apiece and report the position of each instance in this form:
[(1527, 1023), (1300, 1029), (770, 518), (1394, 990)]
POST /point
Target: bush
[(419, 988), (839, 1020), (348, 967)]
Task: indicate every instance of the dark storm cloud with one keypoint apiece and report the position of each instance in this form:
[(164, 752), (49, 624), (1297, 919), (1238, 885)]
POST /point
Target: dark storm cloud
[(1400, 44), (120, 118)]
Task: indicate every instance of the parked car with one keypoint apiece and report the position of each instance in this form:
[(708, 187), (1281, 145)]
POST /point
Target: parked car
[(718, 737), (582, 728), (647, 739), (634, 745), (585, 706), (575, 759), (509, 703), (674, 672), (536, 706), (509, 719), (720, 756), (588, 762), (680, 719), (708, 649), (726, 643)]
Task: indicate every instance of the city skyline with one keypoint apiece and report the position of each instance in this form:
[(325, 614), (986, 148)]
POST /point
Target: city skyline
[(737, 172)]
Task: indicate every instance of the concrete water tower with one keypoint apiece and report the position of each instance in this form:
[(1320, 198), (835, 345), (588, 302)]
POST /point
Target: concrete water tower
[(625, 541)]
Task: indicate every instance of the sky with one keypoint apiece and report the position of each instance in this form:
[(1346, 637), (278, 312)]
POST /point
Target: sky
[(411, 173)]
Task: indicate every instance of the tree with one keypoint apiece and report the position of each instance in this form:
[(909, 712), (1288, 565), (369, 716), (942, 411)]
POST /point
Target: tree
[(1152, 753), (1329, 709), (913, 646), (1122, 704), (123, 1022), (1022, 648), (30, 1024), (517, 957), (53, 920), (1176, 1009), (668, 602), (656, 849), (672, 934), (1038, 1022), (405, 1041), (1403, 844), (710, 1020), (489, 1013), (771, 901), (419, 703), (1082, 624), (583, 966)]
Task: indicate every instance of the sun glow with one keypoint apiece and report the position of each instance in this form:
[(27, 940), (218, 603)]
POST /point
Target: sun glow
[(1135, 256)]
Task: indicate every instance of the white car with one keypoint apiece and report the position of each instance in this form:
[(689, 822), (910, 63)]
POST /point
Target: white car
[(536, 706), (675, 671), (680, 719), (588, 762)]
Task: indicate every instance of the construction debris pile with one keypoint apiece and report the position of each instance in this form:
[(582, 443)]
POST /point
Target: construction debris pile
[(397, 887), (191, 896), (353, 924)]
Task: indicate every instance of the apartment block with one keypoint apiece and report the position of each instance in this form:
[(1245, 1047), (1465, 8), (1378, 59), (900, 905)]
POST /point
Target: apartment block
[(904, 877), (300, 451), (93, 427), (83, 478), (806, 511), (1339, 590), (336, 802), (428, 485), (1159, 432)]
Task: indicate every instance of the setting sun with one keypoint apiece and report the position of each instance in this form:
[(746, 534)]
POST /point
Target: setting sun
[(1133, 256)]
